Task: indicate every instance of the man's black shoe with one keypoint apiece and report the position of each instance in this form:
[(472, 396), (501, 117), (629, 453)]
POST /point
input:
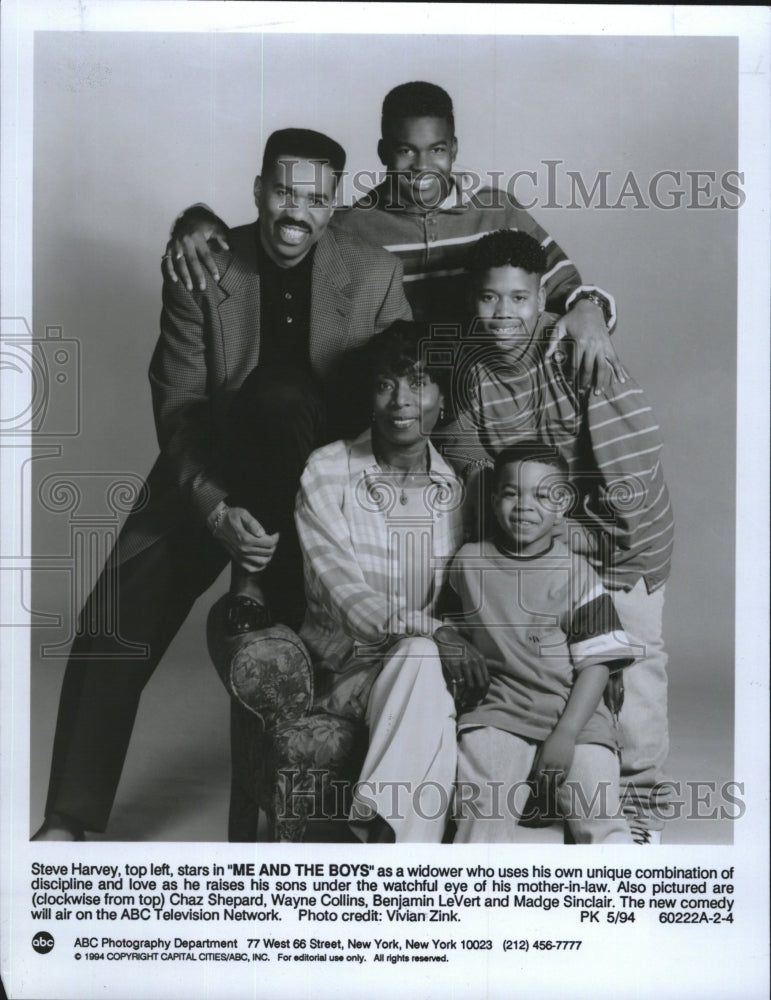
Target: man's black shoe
[(244, 614)]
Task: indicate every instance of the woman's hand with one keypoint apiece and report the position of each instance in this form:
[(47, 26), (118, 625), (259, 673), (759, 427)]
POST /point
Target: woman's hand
[(463, 666)]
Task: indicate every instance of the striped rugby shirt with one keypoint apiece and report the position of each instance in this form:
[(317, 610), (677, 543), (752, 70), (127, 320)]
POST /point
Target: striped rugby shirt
[(611, 442), (433, 246)]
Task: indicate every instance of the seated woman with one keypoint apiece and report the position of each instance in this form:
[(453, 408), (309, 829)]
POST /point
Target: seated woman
[(378, 519)]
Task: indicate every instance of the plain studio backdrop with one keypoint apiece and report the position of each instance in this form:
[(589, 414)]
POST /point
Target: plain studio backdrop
[(129, 128)]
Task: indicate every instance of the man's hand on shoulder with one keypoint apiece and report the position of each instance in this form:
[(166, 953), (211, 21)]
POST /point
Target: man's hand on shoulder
[(594, 357), (188, 253)]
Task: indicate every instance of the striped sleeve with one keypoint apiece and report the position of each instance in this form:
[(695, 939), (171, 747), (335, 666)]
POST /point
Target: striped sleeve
[(628, 499), (594, 632)]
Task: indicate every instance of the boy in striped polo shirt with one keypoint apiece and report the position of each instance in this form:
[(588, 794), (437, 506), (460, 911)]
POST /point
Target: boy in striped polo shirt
[(506, 389)]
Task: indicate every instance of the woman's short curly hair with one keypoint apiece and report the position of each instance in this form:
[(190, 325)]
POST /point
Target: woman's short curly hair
[(402, 348)]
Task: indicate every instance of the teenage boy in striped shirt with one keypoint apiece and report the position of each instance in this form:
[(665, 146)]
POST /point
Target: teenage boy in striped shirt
[(507, 389), (428, 216)]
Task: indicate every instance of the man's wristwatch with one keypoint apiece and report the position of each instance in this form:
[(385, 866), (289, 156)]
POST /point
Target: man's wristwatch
[(598, 300), (216, 516)]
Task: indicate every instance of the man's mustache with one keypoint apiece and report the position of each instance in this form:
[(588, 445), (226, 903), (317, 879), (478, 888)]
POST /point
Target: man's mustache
[(286, 221)]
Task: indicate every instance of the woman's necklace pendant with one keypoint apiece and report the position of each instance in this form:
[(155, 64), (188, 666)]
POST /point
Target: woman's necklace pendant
[(403, 498)]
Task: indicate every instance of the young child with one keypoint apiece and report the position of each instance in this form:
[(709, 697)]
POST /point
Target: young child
[(507, 390), (550, 636)]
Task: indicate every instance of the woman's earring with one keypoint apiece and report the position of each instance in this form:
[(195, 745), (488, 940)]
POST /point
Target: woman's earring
[(441, 414)]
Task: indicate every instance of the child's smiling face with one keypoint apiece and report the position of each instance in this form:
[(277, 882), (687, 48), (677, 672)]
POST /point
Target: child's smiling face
[(527, 505), (509, 302)]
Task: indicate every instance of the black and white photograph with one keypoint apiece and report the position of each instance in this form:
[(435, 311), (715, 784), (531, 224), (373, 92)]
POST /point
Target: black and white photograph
[(383, 436)]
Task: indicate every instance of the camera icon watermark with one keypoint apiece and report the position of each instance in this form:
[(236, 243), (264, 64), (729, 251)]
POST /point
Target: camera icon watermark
[(462, 357), (40, 384)]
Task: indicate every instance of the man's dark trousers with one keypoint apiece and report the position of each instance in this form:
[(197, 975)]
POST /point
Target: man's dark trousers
[(276, 421)]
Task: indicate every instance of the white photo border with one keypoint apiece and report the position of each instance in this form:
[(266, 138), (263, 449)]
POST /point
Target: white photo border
[(740, 960)]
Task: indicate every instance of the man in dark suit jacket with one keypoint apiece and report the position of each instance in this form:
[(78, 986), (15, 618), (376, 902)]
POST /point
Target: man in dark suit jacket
[(241, 379)]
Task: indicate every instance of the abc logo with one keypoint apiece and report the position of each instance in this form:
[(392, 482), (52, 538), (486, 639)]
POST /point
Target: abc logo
[(43, 942)]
